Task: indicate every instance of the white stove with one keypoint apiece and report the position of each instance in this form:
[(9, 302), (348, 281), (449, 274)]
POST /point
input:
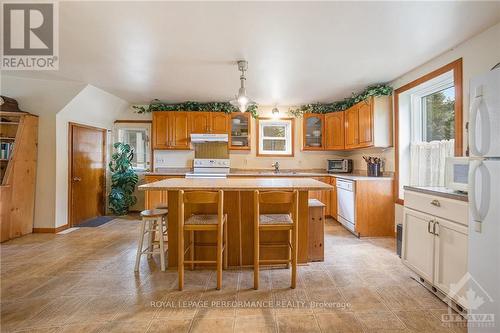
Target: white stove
[(209, 168)]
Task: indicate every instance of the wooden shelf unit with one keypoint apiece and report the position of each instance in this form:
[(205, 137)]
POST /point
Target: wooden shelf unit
[(18, 173)]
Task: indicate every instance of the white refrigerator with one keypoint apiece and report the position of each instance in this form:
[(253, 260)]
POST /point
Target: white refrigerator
[(484, 203)]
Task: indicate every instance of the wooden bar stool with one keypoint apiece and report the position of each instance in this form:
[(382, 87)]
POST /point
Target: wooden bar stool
[(285, 221), (202, 222), (153, 221)]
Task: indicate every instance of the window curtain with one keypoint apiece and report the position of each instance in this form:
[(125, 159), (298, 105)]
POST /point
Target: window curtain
[(427, 162)]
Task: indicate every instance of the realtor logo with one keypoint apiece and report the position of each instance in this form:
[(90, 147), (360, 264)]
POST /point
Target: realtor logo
[(29, 36)]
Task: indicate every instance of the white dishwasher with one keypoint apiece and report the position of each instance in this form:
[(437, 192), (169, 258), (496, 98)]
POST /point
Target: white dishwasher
[(346, 213)]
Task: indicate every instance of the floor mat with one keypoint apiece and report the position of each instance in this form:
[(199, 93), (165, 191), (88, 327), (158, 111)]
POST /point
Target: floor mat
[(96, 221)]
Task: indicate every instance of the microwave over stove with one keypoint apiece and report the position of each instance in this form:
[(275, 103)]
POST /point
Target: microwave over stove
[(341, 165)]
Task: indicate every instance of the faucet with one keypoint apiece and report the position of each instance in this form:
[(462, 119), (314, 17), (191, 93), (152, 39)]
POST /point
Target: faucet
[(276, 166)]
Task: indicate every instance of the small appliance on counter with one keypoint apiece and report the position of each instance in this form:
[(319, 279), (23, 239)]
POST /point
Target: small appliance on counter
[(341, 165), (456, 174), (211, 156)]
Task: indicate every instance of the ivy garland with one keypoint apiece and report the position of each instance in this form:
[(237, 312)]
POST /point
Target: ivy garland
[(225, 107), (376, 90)]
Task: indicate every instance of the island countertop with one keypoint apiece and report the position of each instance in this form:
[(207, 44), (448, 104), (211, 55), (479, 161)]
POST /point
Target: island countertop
[(237, 184)]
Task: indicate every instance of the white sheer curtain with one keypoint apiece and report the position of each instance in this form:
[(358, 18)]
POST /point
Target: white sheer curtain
[(427, 162)]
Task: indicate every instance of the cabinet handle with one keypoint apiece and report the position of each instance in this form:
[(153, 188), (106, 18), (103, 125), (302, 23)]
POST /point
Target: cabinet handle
[(429, 226), (436, 223), (436, 203)]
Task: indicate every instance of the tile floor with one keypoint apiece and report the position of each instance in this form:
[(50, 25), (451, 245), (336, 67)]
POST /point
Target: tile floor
[(84, 281)]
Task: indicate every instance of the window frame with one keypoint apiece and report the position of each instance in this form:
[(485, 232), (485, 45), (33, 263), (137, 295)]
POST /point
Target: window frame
[(137, 125), (289, 137), (456, 68)]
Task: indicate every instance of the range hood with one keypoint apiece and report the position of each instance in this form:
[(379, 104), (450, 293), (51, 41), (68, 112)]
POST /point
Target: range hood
[(197, 138)]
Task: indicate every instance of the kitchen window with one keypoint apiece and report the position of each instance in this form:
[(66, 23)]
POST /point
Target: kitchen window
[(275, 137), (428, 114), (137, 136)]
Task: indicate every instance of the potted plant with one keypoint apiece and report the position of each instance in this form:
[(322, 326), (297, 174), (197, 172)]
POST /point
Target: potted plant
[(123, 179)]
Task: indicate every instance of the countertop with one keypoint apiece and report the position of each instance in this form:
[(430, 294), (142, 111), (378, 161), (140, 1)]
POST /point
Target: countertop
[(287, 173), (237, 184), (439, 191)]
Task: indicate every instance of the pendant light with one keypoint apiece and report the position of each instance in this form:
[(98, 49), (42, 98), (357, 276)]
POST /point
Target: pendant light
[(241, 101)]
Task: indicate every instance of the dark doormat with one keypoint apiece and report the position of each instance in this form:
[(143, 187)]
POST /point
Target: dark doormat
[(96, 221)]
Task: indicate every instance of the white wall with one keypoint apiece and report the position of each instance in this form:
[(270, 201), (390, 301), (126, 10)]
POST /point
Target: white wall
[(43, 98), (479, 55), (92, 107)]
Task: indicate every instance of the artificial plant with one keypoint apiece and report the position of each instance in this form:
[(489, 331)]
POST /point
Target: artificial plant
[(375, 90), (123, 179), (226, 107)]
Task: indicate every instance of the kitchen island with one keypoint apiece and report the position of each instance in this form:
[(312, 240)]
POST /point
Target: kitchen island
[(238, 205)]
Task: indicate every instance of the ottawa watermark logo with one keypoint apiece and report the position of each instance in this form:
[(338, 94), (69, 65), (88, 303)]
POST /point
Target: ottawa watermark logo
[(30, 36), (479, 304)]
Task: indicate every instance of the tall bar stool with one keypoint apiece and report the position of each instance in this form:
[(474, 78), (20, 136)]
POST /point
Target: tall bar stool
[(202, 222), (153, 221), (284, 221)]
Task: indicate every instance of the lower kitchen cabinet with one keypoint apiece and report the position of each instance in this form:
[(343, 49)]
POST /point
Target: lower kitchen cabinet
[(435, 248), (155, 198)]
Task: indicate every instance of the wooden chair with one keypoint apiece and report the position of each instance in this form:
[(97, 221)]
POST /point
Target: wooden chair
[(153, 221), (202, 222), (286, 221)]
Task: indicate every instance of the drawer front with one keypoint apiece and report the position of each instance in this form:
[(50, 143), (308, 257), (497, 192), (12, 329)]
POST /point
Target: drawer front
[(449, 209)]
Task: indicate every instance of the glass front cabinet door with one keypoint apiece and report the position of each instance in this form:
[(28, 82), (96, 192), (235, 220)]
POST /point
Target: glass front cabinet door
[(313, 131), (239, 138)]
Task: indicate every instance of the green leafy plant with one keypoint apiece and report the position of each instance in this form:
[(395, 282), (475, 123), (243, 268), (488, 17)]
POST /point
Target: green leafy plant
[(226, 107), (123, 179), (376, 90)]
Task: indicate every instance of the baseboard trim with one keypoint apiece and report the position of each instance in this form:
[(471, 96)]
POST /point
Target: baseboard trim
[(50, 230)]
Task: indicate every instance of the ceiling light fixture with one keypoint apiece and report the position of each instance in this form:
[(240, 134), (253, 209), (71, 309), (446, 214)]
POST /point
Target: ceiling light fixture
[(276, 112), (241, 101)]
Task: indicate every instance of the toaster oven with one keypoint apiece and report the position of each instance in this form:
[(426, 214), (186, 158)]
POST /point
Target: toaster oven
[(341, 165)]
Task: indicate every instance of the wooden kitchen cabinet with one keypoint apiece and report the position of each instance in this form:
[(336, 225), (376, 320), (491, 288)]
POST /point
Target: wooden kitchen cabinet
[(323, 196), (313, 131), (199, 122), (239, 137), (208, 122), (155, 198), (334, 131), (170, 130), (160, 131), (219, 123), (351, 127), (369, 123)]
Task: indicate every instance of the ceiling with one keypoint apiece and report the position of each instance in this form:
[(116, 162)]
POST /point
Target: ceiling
[(297, 52)]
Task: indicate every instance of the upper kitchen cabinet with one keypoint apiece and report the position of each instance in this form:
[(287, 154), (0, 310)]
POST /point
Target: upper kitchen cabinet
[(369, 123), (170, 130), (239, 138), (313, 130), (209, 122), (334, 131), (199, 122)]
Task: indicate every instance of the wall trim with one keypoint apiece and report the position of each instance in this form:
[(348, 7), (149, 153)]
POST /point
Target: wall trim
[(50, 230)]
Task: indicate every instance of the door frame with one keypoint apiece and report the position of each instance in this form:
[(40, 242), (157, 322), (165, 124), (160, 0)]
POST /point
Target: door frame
[(71, 126)]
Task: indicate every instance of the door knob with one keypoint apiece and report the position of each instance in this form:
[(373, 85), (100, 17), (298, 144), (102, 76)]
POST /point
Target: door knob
[(77, 179), (436, 203)]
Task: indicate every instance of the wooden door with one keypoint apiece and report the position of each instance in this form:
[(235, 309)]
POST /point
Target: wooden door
[(418, 243), (365, 124), (351, 127), (219, 123), (450, 256), (313, 130), (179, 130), (161, 138), (199, 122), (87, 159), (239, 138), (335, 131)]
